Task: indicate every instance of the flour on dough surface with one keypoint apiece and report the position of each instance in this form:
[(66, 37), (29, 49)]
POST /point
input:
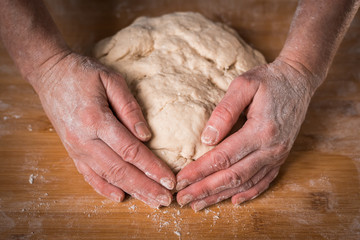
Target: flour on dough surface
[(178, 66)]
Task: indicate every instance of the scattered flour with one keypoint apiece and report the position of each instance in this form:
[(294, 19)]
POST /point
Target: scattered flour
[(29, 128), (177, 233), (32, 177), (4, 106), (6, 222), (132, 208)]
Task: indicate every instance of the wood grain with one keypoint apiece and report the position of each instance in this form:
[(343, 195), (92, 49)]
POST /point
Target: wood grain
[(316, 195)]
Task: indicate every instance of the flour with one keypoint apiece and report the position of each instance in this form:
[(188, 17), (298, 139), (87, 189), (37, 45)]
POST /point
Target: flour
[(29, 128), (6, 222), (32, 177), (3, 106), (132, 208)]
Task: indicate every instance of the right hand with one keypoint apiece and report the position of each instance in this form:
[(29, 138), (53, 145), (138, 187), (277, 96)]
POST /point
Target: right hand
[(101, 125)]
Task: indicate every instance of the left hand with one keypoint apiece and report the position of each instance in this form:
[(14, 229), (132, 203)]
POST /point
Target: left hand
[(243, 165)]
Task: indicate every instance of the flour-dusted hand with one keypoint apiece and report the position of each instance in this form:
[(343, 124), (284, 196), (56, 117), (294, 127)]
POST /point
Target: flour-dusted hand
[(97, 119), (244, 164), (275, 98)]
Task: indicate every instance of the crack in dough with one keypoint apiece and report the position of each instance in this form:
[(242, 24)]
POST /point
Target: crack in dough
[(178, 66)]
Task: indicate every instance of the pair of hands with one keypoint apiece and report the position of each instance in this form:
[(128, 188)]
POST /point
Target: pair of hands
[(102, 127)]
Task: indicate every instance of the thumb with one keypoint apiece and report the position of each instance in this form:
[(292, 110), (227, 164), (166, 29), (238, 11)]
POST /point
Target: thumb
[(125, 105), (227, 112)]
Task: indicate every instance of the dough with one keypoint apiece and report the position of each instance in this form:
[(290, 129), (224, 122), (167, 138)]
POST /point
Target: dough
[(178, 66)]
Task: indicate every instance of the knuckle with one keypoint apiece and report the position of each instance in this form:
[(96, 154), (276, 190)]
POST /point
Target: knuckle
[(89, 116), (233, 178), (86, 122), (224, 113), (280, 150), (89, 178), (236, 83), (130, 151), (260, 175), (239, 82), (249, 184), (271, 130), (130, 107), (78, 150), (221, 160), (205, 192), (71, 138), (253, 181), (116, 174), (246, 186)]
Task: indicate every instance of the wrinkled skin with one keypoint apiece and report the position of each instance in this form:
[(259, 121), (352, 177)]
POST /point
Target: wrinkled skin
[(276, 97), (101, 126)]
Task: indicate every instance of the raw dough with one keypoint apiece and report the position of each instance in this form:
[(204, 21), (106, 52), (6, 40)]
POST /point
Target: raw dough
[(178, 66)]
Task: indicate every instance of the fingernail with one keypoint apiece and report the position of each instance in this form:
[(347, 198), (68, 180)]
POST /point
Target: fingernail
[(182, 184), (186, 199), (115, 197), (142, 130), (166, 182), (210, 135), (199, 205), (163, 200), (254, 197), (239, 201)]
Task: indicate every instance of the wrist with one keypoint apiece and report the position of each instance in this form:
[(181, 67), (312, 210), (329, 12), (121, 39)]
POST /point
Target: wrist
[(310, 78), (36, 75)]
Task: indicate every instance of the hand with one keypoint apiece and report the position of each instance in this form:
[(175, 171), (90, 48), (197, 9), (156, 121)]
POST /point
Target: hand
[(243, 165), (101, 125)]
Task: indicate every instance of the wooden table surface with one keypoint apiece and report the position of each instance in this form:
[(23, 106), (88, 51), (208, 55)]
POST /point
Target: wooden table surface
[(316, 195)]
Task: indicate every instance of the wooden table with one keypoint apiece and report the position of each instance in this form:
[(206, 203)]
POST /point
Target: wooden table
[(316, 195)]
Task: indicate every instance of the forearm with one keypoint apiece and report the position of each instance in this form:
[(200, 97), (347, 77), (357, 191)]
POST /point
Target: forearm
[(315, 34), (29, 34)]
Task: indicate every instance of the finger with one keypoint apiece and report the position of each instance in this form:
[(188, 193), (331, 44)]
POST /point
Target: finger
[(125, 106), (230, 178), (133, 151), (255, 191), (218, 197), (109, 166), (198, 205), (100, 185), (230, 151), (227, 112), (213, 199)]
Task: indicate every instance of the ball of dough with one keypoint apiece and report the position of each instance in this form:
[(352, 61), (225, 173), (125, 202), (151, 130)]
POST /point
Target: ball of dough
[(178, 66)]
